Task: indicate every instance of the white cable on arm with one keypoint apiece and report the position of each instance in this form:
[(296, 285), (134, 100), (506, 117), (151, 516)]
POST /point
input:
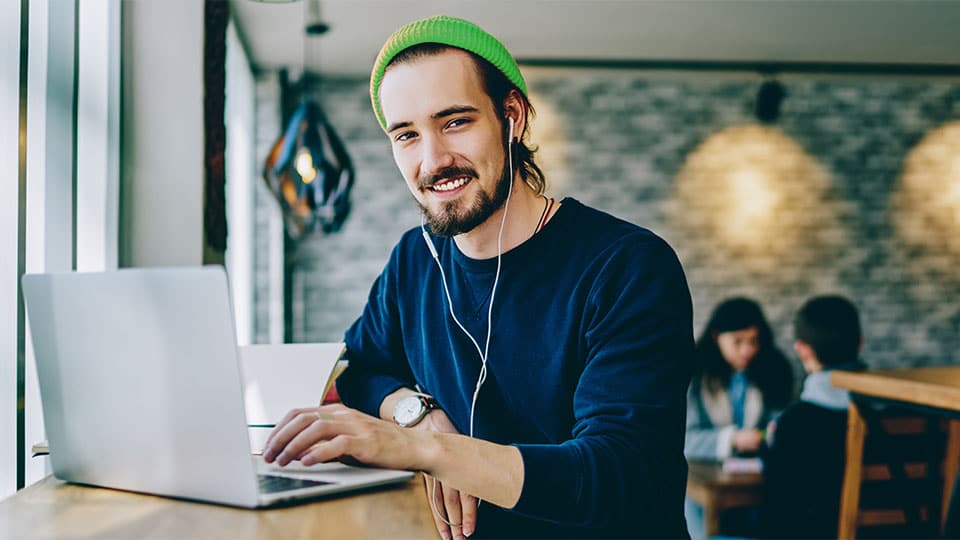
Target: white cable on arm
[(483, 367), (496, 279)]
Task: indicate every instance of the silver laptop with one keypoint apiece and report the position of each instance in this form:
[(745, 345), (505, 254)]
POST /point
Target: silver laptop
[(141, 390)]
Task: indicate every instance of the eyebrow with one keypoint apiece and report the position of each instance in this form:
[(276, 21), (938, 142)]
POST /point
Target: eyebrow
[(449, 111)]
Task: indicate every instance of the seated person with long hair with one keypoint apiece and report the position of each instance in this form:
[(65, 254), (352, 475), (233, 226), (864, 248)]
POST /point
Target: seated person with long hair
[(741, 381)]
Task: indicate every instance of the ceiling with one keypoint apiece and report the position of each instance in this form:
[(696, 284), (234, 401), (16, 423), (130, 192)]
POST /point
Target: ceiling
[(739, 31)]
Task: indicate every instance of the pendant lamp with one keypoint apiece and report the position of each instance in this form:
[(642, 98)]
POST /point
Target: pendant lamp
[(309, 170)]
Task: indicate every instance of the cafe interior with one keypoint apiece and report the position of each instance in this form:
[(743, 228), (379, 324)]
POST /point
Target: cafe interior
[(784, 149)]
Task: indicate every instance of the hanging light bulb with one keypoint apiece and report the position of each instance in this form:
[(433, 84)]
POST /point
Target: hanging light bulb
[(308, 169), (305, 165), (311, 174), (769, 98)]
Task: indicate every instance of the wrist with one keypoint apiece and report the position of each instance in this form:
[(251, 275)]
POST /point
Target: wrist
[(411, 410), (389, 403), (427, 423), (428, 448)]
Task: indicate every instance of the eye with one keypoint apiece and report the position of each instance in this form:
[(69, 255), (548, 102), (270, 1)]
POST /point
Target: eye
[(404, 136), (457, 122)]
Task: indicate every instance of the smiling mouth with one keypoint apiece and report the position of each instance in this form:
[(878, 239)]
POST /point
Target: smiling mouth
[(450, 184)]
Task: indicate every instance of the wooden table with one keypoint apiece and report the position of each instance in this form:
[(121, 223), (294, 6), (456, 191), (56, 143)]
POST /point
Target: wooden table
[(53, 509), (716, 490), (934, 389)]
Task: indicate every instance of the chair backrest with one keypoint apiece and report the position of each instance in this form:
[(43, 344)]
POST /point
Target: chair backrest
[(902, 475)]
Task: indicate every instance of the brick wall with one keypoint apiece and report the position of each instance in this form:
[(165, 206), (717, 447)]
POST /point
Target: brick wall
[(822, 202)]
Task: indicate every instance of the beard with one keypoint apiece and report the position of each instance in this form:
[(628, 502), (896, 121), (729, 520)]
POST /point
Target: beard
[(458, 217)]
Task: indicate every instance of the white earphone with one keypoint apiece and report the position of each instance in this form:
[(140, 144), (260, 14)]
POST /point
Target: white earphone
[(443, 277), (436, 257)]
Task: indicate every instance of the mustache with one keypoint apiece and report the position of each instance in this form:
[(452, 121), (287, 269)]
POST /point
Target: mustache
[(450, 172)]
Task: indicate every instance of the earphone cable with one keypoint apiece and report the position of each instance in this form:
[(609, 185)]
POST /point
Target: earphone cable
[(486, 349)]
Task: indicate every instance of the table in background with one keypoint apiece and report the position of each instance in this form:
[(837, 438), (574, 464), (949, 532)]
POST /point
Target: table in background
[(715, 490), (53, 509), (932, 390)]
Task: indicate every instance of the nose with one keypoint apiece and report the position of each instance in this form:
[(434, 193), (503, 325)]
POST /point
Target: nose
[(436, 155)]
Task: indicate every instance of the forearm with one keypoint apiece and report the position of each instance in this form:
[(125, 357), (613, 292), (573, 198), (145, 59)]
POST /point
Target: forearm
[(488, 471), (710, 444)]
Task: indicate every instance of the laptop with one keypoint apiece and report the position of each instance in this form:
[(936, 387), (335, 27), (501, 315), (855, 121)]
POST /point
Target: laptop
[(270, 392), (141, 390)]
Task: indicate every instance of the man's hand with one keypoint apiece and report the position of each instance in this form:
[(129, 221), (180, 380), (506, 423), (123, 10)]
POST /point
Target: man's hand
[(319, 434), (458, 509), (492, 471)]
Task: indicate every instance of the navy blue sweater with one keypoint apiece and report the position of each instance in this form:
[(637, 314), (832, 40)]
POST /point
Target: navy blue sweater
[(588, 368)]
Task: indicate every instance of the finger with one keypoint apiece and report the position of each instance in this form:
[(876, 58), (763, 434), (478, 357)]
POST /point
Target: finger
[(283, 435), (327, 450), (287, 418), (321, 428), (451, 499), (334, 408), (435, 493), (469, 505)]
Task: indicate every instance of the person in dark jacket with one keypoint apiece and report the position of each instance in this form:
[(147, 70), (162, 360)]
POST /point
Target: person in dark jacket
[(529, 355), (804, 459)]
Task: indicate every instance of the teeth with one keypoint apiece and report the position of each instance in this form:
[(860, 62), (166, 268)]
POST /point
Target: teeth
[(448, 186)]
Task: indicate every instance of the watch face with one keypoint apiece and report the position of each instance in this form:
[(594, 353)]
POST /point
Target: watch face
[(408, 410)]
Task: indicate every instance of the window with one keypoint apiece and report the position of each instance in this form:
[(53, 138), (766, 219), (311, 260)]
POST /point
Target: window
[(11, 179), (62, 212)]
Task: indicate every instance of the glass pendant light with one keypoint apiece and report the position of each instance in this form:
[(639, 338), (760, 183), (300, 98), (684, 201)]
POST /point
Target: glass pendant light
[(308, 168)]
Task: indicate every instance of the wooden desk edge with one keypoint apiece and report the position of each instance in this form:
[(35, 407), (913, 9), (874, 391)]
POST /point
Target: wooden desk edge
[(51, 508), (886, 385)]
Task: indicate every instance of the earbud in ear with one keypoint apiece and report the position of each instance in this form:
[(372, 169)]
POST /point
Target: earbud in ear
[(510, 137)]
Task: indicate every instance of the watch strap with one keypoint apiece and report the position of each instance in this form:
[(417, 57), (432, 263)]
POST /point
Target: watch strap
[(428, 402)]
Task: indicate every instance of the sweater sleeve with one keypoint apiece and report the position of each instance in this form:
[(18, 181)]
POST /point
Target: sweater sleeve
[(377, 364), (709, 444), (623, 467), (704, 440)]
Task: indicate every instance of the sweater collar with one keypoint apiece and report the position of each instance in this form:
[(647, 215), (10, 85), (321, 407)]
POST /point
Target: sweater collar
[(818, 391), (523, 253)]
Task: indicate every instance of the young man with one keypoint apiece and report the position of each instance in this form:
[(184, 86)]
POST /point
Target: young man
[(528, 353), (804, 461)]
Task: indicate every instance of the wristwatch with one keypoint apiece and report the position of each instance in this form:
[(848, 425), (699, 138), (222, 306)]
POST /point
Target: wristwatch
[(410, 410)]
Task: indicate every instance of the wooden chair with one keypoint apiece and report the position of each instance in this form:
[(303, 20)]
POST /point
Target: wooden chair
[(898, 465)]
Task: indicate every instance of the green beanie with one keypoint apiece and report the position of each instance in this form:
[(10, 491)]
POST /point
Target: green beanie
[(447, 31)]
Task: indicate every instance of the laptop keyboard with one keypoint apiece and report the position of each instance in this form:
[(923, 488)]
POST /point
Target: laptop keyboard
[(272, 484)]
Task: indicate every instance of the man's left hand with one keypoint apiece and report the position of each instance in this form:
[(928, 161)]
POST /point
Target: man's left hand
[(460, 508)]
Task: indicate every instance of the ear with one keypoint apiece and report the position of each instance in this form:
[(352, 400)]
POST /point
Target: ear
[(807, 356), (515, 107)]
